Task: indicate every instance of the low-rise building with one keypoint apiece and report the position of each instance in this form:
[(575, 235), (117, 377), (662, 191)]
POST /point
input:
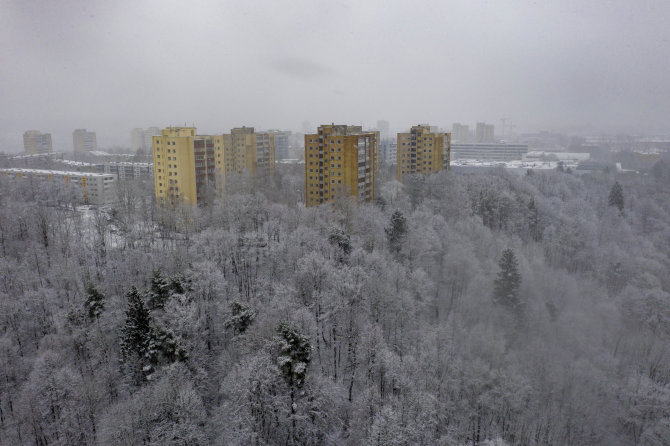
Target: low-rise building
[(96, 188), (489, 151), (127, 170)]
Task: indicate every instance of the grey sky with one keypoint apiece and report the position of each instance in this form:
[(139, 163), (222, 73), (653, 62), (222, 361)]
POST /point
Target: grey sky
[(114, 65)]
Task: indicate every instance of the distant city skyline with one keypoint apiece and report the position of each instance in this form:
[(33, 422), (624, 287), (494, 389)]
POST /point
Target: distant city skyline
[(571, 66)]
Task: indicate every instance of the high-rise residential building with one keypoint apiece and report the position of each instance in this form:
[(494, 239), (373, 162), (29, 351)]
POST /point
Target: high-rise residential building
[(141, 139), (340, 161), (484, 133), (149, 134), (388, 151), (137, 140), (246, 150), (384, 129), (36, 142), (188, 168), (84, 141), (423, 151), (282, 143), (191, 168), (460, 132)]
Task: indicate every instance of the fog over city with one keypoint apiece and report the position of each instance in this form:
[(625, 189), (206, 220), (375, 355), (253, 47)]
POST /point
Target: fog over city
[(334, 223), (581, 66)]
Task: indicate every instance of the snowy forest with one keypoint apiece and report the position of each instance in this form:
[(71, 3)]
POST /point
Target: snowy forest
[(457, 309)]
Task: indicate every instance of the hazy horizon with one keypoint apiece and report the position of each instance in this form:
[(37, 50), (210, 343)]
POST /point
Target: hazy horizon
[(110, 67)]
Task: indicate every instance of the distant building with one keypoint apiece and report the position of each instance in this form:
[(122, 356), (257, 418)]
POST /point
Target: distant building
[(96, 188), (127, 170), (384, 129), (191, 168), (389, 151), (422, 151), (35, 142), (84, 141), (484, 133), (460, 133), (282, 143), (489, 152), (340, 161), (246, 150), (137, 140), (149, 133)]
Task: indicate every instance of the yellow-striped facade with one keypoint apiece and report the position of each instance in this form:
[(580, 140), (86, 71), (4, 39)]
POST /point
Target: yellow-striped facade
[(422, 151), (340, 160), (191, 168)]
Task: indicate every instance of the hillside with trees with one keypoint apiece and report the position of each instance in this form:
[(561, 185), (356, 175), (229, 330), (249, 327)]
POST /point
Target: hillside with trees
[(459, 309)]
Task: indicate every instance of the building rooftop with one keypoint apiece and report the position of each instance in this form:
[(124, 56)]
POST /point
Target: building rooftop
[(56, 172)]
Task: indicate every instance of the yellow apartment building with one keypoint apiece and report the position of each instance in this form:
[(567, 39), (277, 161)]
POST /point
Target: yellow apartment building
[(246, 150), (422, 151), (340, 161), (191, 168), (188, 168)]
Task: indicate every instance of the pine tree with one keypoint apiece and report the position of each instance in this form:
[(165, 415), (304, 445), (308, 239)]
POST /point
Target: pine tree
[(95, 302), (137, 346), (397, 232), (160, 290), (506, 285), (534, 221), (294, 354), (241, 317), (616, 196), (341, 239)]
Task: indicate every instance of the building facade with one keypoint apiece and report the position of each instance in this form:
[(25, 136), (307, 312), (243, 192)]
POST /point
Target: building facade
[(489, 152), (460, 132), (127, 170), (148, 135), (84, 141), (422, 151), (340, 161), (484, 133), (246, 150), (137, 140), (188, 168), (192, 169), (36, 142), (282, 143), (96, 188)]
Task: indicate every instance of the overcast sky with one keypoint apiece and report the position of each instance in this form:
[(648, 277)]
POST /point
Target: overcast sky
[(109, 66)]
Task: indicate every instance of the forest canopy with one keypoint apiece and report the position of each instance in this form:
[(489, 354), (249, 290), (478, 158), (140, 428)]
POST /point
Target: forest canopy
[(466, 309)]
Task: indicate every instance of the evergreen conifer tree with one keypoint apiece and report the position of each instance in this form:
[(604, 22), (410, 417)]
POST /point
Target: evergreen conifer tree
[(397, 232), (616, 196), (506, 285), (137, 346), (95, 302), (160, 290)]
